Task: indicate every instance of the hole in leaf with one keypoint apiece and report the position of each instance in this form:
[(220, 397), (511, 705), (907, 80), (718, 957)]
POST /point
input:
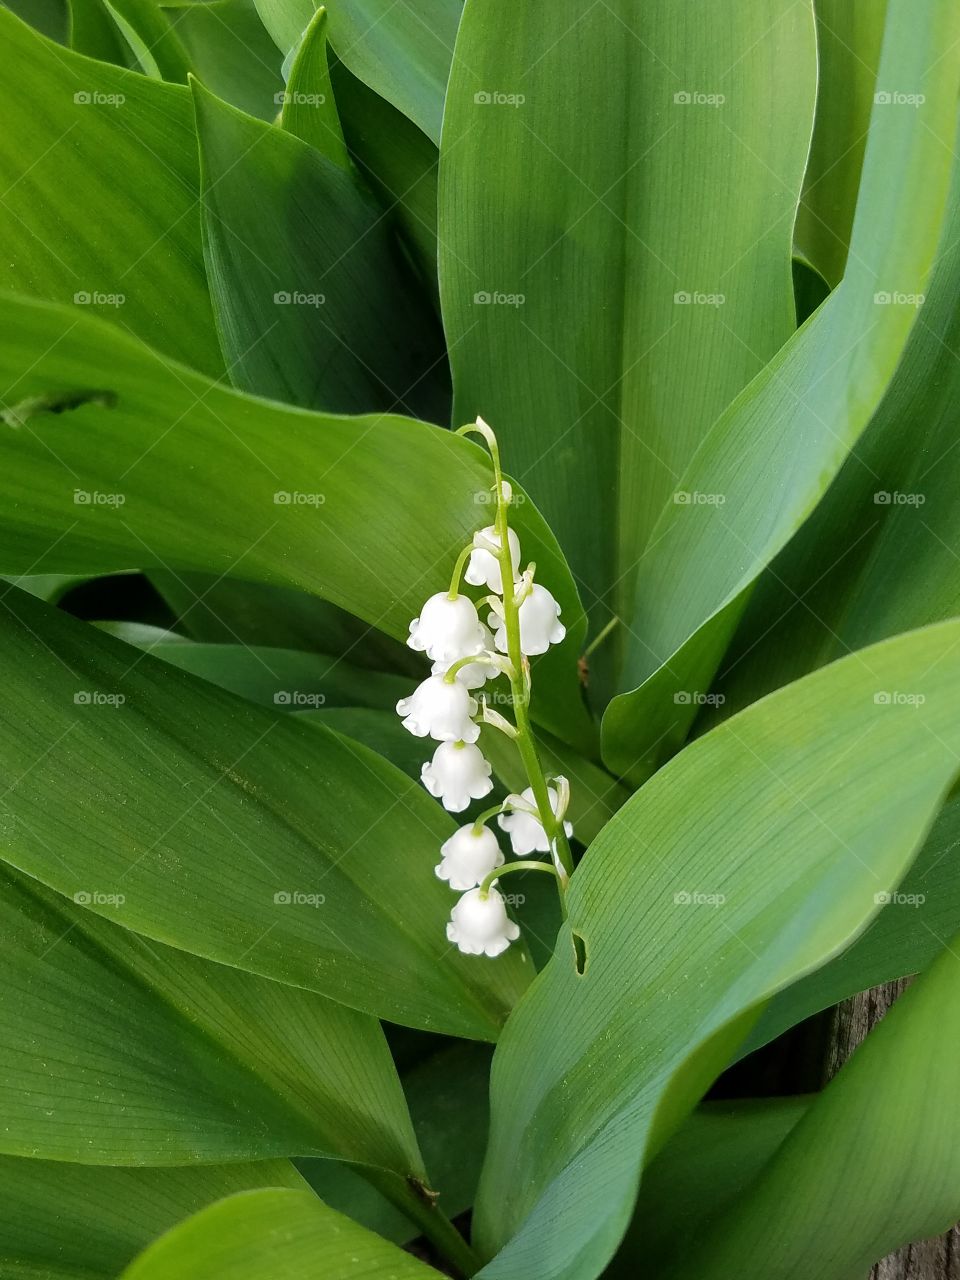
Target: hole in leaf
[(54, 402), (579, 952)]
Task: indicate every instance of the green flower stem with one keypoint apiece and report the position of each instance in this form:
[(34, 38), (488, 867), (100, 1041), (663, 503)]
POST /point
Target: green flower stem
[(515, 866), (483, 818), (458, 568), (520, 679), (417, 1202), (489, 659)]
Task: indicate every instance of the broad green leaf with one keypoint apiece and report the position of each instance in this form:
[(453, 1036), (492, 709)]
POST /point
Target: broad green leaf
[(313, 302), (309, 110), (274, 1235), (746, 862), (888, 518), (93, 32), (849, 39), (874, 1164), (156, 47), (50, 17), (119, 1050), (233, 832), (916, 922), (124, 148), (230, 52), (447, 1095), (283, 678), (699, 1174), (327, 504), (399, 48), (63, 1221), (617, 191), (400, 164), (771, 456)]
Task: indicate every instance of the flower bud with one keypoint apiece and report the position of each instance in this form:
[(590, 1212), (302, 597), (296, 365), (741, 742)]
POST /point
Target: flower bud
[(440, 710), (469, 856), (479, 924), (524, 828), (540, 624), (457, 774), (447, 629), (484, 566)]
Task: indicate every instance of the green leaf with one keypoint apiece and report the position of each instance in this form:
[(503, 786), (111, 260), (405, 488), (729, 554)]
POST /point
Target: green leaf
[(916, 922), (118, 1050), (62, 1221), (699, 1174), (400, 164), (327, 504), (771, 456), (313, 303), (891, 1115), (772, 871), (230, 52), (286, 679), (156, 47), (309, 110), (590, 181), (124, 148), (266, 1235), (849, 40), (888, 518), (233, 832), (399, 48), (447, 1095)]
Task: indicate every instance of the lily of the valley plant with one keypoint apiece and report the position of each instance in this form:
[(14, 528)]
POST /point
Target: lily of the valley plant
[(300, 672)]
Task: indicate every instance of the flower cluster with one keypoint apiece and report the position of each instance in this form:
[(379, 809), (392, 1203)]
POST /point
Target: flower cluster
[(467, 652)]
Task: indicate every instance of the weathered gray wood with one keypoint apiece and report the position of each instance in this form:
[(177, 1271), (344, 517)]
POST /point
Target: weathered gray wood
[(929, 1259)]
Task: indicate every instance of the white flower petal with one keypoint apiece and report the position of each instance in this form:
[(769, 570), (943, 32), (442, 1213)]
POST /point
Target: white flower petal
[(447, 629), (457, 774), (479, 924), (484, 567), (440, 710), (468, 857)]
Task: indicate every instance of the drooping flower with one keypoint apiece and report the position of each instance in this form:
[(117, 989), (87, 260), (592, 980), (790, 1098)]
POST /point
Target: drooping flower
[(484, 567), (475, 674), (523, 826), (447, 629), (479, 924), (540, 624), (469, 856), (457, 774), (440, 709)]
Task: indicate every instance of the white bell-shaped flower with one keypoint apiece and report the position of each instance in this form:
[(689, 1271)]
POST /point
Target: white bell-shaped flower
[(475, 674), (447, 629), (524, 828), (484, 567), (457, 774), (441, 710), (540, 624), (469, 856), (479, 924)]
